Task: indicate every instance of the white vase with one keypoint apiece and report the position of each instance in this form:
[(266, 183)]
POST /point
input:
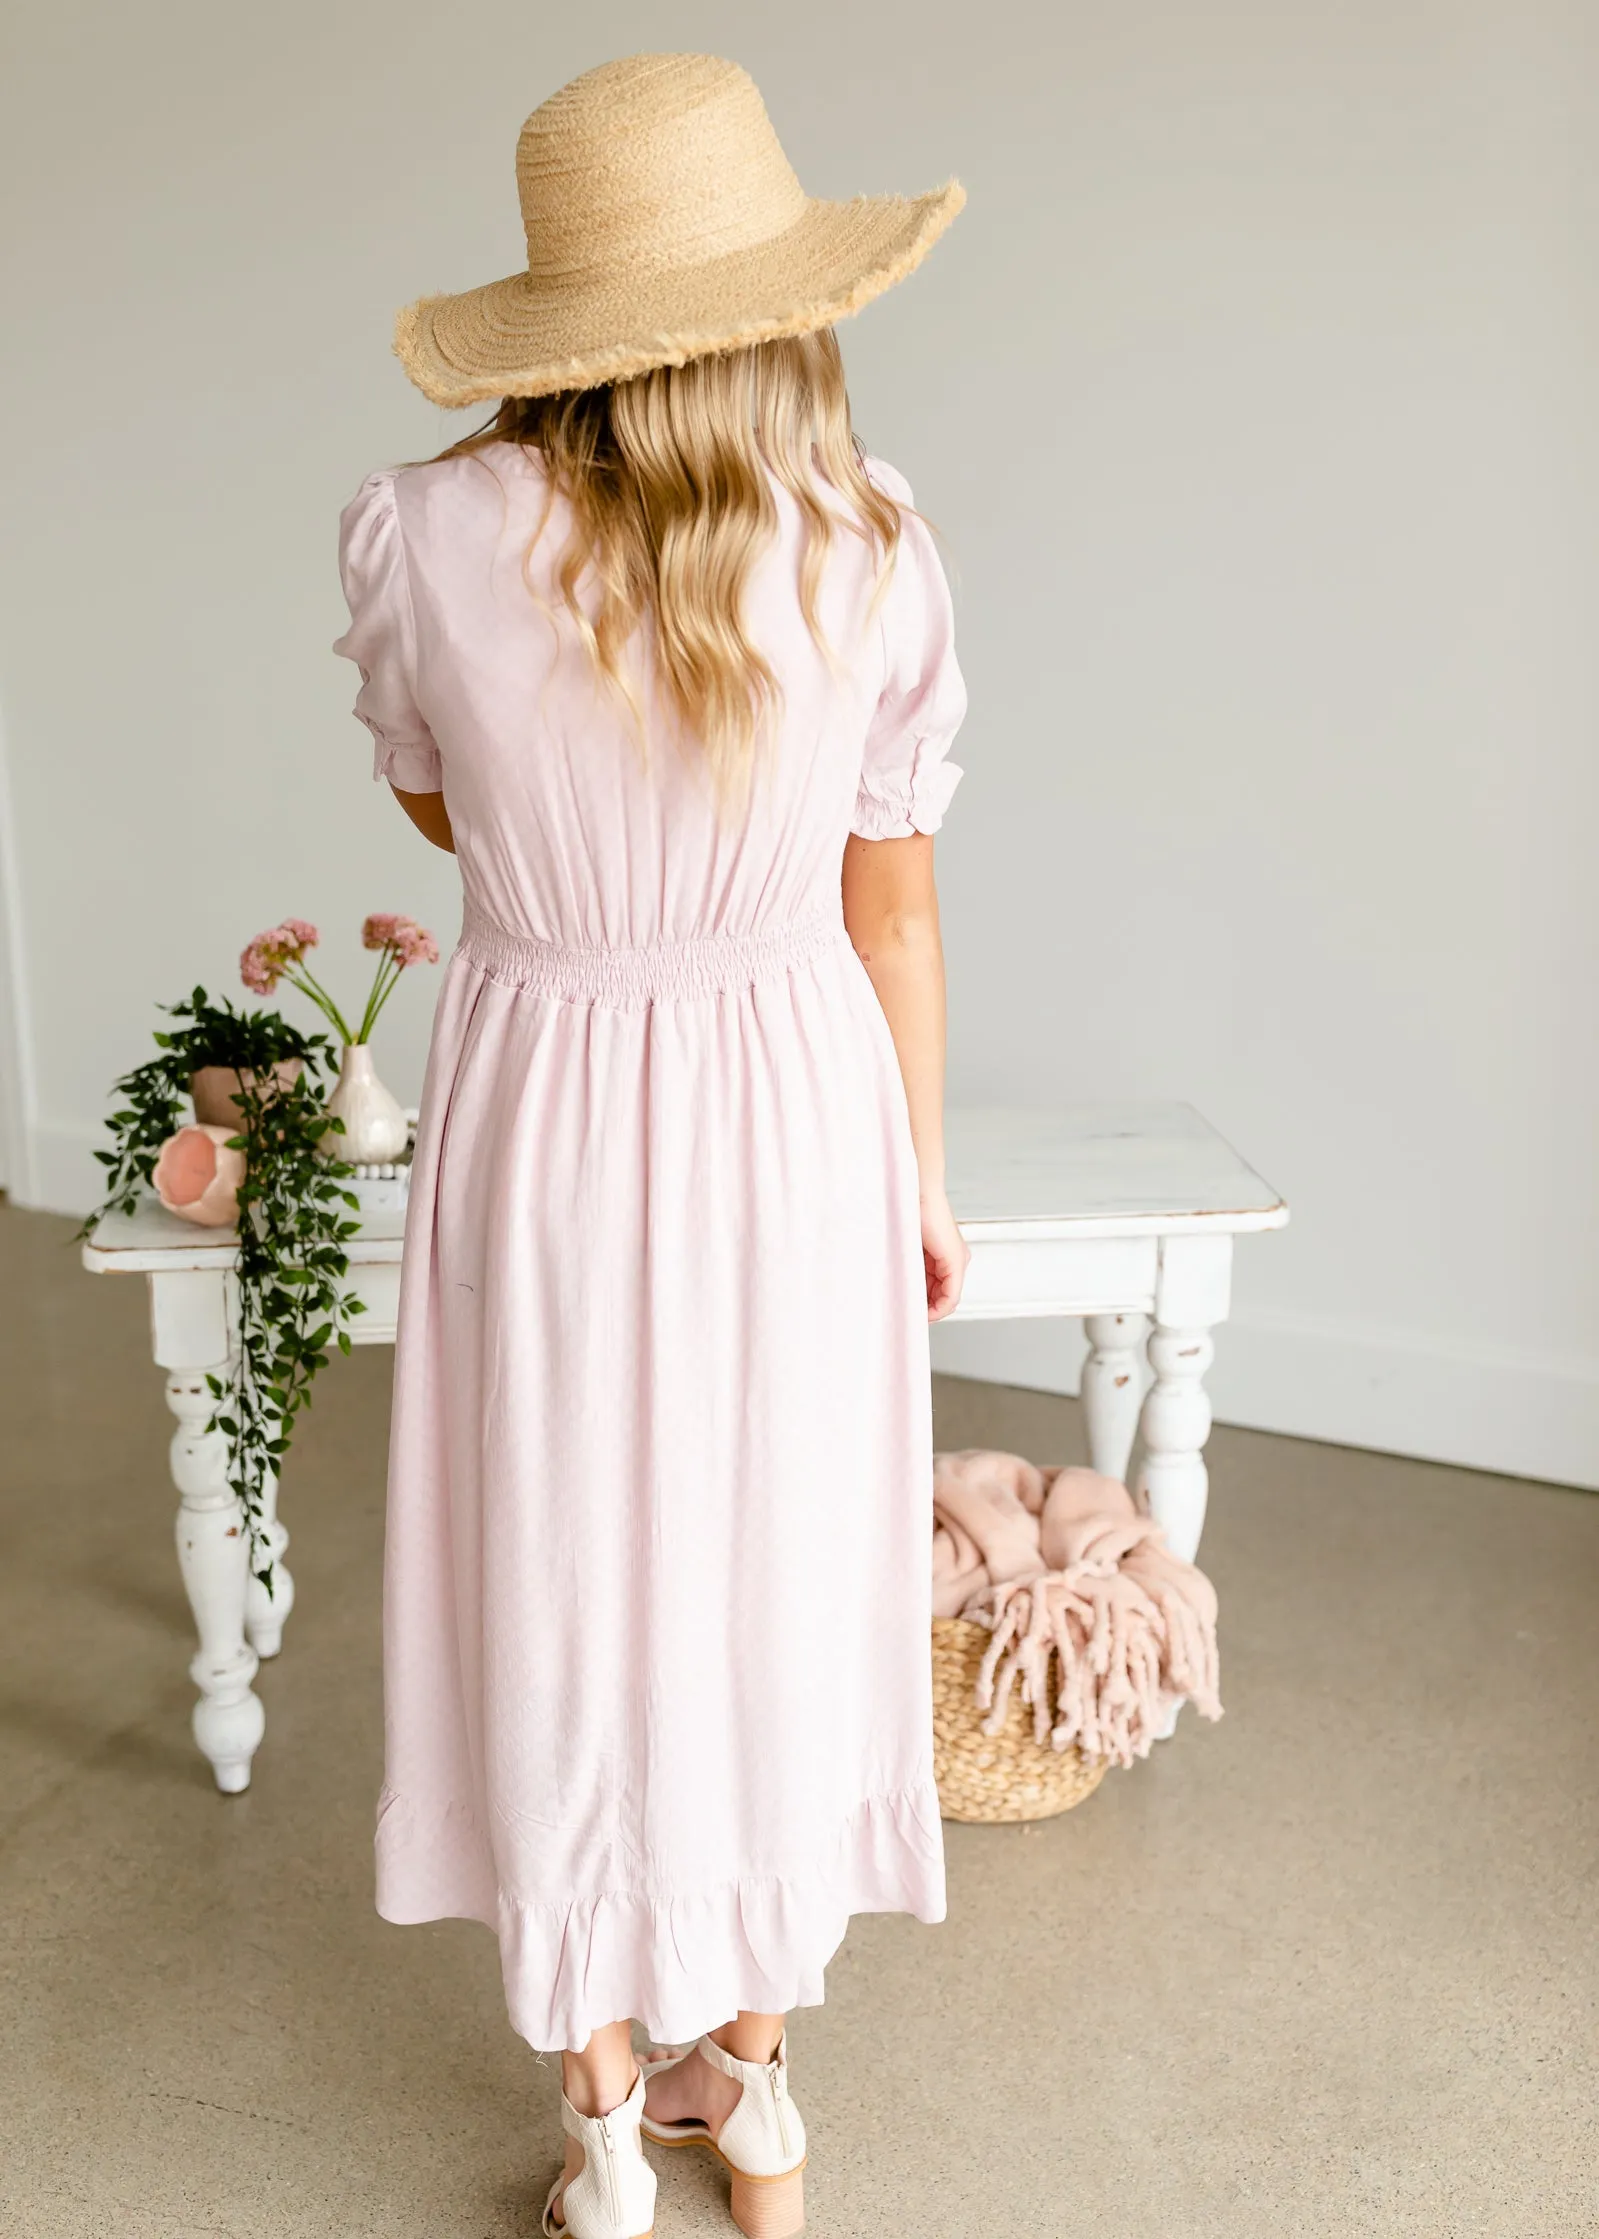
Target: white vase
[(375, 1126)]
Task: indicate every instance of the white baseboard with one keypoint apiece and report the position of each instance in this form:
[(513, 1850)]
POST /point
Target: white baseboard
[(1439, 1399)]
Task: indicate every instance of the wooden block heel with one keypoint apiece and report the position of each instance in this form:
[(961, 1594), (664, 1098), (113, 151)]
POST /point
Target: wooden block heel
[(761, 2143), (769, 2207)]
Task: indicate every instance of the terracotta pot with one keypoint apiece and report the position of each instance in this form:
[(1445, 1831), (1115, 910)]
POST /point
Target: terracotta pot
[(197, 1176), (375, 1125), (214, 1089)]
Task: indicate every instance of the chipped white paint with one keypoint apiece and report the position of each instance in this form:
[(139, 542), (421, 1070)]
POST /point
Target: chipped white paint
[(192, 1323), (213, 1557), (265, 1614), (1113, 1388)]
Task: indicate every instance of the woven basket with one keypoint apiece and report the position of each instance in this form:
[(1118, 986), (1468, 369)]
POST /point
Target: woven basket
[(993, 1778)]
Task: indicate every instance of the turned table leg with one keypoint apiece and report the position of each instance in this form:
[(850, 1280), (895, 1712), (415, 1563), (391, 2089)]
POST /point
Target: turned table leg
[(190, 1313), (1112, 1389), (1191, 1297), (264, 1613), (213, 1554), (1174, 1483)]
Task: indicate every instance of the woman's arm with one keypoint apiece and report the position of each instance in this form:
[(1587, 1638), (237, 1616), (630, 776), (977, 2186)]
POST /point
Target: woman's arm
[(891, 912), (430, 816)]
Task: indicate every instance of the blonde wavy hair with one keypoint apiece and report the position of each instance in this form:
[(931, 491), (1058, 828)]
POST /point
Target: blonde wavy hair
[(671, 506)]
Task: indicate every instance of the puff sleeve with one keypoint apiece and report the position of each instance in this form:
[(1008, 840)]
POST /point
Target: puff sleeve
[(381, 639), (906, 776)]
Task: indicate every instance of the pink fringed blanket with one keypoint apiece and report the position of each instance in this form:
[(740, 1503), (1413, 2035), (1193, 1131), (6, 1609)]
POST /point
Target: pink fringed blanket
[(1060, 1561)]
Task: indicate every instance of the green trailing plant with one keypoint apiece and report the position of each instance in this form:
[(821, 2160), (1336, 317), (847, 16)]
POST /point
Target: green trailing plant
[(293, 1296), (153, 1095), (293, 1224)]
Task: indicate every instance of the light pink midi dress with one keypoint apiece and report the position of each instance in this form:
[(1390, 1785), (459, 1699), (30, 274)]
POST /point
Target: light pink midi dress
[(657, 1586)]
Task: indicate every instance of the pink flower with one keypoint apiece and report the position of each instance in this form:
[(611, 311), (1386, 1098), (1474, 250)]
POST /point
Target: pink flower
[(410, 942), (270, 954), (256, 969)]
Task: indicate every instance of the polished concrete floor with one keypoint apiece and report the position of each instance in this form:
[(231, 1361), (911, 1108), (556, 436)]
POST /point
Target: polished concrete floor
[(1328, 1967)]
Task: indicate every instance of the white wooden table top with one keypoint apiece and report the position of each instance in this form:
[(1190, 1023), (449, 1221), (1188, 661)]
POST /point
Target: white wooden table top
[(151, 1241), (1100, 1170), (1065, 1170)]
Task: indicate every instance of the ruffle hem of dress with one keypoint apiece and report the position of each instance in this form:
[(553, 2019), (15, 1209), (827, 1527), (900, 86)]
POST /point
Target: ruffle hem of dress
[(680, 1962)]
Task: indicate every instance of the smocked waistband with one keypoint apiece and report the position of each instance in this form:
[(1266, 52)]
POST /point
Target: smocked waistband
[(659, 972)]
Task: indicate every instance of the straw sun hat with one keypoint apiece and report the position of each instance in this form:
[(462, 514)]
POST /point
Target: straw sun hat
[(663, 223)]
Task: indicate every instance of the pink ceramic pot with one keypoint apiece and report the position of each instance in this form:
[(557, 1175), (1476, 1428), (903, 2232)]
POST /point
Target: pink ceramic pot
[(197, 1176), (214, 1089)]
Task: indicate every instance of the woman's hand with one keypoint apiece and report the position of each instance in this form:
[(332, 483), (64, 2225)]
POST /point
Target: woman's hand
[(945, 1255), (891, 910)]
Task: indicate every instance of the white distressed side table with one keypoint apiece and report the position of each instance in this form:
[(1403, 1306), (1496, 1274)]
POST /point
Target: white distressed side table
[(192, 1323), (1123, 1215)]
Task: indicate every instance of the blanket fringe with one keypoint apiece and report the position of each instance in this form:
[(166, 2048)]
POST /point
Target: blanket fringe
[(1106, 1645)]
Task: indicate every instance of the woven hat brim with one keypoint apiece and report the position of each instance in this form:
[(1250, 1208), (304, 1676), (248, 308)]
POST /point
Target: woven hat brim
[(515, 338)]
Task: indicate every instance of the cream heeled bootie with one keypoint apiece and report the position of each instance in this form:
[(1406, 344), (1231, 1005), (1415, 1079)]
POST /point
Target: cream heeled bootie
[(762, 2142), (613, 2194)]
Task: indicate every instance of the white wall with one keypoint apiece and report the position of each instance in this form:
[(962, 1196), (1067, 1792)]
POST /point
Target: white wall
[(1254, 393)]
